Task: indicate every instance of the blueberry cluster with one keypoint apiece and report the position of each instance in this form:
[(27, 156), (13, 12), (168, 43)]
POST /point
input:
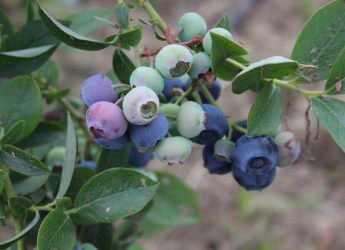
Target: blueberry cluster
[(167, 107)]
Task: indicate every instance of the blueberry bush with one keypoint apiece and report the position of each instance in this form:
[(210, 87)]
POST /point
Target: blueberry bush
[(65, 180)]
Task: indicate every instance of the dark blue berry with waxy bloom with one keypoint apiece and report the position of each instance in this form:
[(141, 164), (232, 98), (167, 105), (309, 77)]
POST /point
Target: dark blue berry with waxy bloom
[(98, 88), (216, 126), (191, 25), (213, 165), (173, 61), (117, 143), (140, 105), (106, 121), (255, 155), (254, 181), (173, 150), (139, 159), (170, 85), (146, 136)]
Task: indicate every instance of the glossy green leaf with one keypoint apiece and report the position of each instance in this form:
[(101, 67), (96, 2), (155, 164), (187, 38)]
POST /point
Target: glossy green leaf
[(175, 204), (21, 161), (56, 232), (30, 12), (132, 37), (83, 22), (113, 158), (20, 99), (224, 22), (122, 65), (67, 35), (114, 194), (266, 112), (19, 204), (70, 158), (320, 42), (223, 48), (24, 54), (330, 112), (336, 81), (45, 132), (63, 203), (13, 134), (8, 27), (270, 68), (122, 15), (227, 71), (7, 243)]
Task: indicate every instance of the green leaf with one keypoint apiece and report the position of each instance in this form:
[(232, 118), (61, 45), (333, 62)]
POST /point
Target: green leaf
[(336, 81), (45, 132), (330, 112), (13, 134), (113, 158), (70, 158), (20, 55), (223, 48), (30, 13), (224, 22), (67, 35), (122, 65), (83, 22), (100, 235), (21, 161), (266, 112), (49, 72), (7, 243), (3, 175), (2, 212), (20, 99), (56, 232), (132, 37), (175, 204), (63, 203), (2, 186), (7, 26), (19, 205), (320, 42), (227, 71), (122, 15), (270, 68), (114, 194)]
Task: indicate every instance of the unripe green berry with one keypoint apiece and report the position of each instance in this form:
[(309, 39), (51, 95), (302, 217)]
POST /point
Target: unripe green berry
[(173, 150), (190, 119), (207, 41)]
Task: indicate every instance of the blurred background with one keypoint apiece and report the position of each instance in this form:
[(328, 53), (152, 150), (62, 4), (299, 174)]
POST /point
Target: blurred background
[(304, 207)]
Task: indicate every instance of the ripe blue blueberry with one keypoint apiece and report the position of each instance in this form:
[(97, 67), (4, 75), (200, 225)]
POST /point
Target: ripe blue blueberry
[(190, 119), (139, 159), (255, 155), (140, 105), (117, 143), (77, 247), (170, 85), (289, 148), (207, 41), (192, 24), (223, 150), (89, 164), (253, 181), (106, 121), (98, 88), (149, 77), (235, 134), (214, 89), (173, 61), (173, 150), (145, 137), (201, 65), (216, 125), (213, 165)]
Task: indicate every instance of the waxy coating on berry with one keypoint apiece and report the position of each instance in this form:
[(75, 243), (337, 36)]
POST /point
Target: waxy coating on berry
[(106, 121), (191, 25), (255, 155), (289, 148), (146, 136), (139, 159), (140, 105), (117, 143), (173, 150), (213, 165), (190, 119), (98, 88), (149, 77), (216, 126), (173, 61), (207, 41), (254, 181)]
